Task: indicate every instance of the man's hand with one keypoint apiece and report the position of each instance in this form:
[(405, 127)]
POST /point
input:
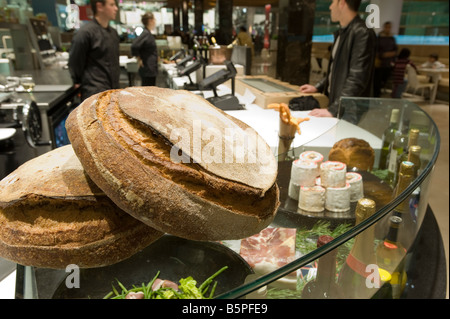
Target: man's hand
[(320, 113), (307, 88)]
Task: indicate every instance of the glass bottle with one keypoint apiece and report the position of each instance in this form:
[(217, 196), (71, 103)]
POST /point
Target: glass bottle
[(324, 286), (359, 275), (388, 138), (390, 257), (413, 139), (396, 149), (428, 147), (385, 291), (414, 157), (407, 232)]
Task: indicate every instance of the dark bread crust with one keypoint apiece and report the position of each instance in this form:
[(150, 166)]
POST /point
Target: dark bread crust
[(354, 152), (53, 215), (130, 162)]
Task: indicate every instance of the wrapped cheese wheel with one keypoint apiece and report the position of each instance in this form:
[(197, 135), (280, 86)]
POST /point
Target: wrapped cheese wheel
[(337, 199), (333, 174), (294, 190), (304, 172), (312, 156), (312, 199), (356, 186)]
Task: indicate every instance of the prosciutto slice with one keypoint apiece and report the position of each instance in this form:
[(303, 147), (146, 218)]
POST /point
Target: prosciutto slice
[(271, 249), (159, 283)]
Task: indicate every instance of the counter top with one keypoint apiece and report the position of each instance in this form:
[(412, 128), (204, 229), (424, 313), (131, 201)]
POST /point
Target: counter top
[(318, 132), (52, 77), (52, 86)]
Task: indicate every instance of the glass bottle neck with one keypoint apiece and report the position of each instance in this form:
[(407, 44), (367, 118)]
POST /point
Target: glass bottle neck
[(391, 238), (362, 249), (326, 268)]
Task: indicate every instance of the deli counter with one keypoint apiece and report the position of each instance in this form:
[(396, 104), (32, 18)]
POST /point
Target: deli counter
[(313, 243)]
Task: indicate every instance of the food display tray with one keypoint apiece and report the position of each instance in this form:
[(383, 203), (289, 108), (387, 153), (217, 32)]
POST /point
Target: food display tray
[(289, 214)]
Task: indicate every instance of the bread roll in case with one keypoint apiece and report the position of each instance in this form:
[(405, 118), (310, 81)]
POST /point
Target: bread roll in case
[(354, 152)]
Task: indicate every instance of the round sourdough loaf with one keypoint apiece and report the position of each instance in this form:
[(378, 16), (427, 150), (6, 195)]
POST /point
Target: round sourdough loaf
[(353, 152), (174, 161), (52, 215)]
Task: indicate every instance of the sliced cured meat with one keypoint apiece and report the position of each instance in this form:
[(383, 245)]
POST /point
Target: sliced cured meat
[(271, 249)]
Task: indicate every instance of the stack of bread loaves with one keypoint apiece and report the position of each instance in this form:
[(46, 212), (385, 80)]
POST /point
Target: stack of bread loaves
[(139, 166)]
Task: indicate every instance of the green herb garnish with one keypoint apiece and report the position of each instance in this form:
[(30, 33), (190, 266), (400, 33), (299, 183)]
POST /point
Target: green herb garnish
[(187, 289)]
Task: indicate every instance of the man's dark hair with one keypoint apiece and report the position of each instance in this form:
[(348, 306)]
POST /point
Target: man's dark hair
[(353, 4), (94, 5), (146, 17), (434, 56), (404, 53)]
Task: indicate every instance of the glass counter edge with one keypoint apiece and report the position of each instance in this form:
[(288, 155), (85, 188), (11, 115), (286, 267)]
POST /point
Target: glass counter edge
[(338, 241)]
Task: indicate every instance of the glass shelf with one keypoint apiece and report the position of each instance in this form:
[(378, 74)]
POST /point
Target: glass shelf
[(370, 116)]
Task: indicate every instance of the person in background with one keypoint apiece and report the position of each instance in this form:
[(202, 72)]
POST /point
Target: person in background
[(94, 53), (433, 62), (352, 61), (144, 47), (243, 38), (398, 74), (385, 58)]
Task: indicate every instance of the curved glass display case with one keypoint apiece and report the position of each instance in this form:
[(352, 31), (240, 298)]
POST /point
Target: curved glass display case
[(363, 119), (304, 254)]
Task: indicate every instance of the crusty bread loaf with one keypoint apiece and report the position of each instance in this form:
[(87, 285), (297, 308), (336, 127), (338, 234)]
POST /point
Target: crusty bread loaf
[(53, 215), (128, 141), (354, 152)]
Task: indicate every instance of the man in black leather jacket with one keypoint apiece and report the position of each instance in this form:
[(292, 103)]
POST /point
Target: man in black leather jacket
[(350, 72)]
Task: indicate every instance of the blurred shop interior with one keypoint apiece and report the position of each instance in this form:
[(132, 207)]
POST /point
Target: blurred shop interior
[(291, 42), (281, 30)]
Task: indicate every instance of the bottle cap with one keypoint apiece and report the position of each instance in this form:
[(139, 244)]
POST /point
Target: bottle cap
[(385, 276), (323, 240), (364, 209), (415, 149), (395, 220), (407, 168), (406, 176), (413, 136), (394, 115)]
